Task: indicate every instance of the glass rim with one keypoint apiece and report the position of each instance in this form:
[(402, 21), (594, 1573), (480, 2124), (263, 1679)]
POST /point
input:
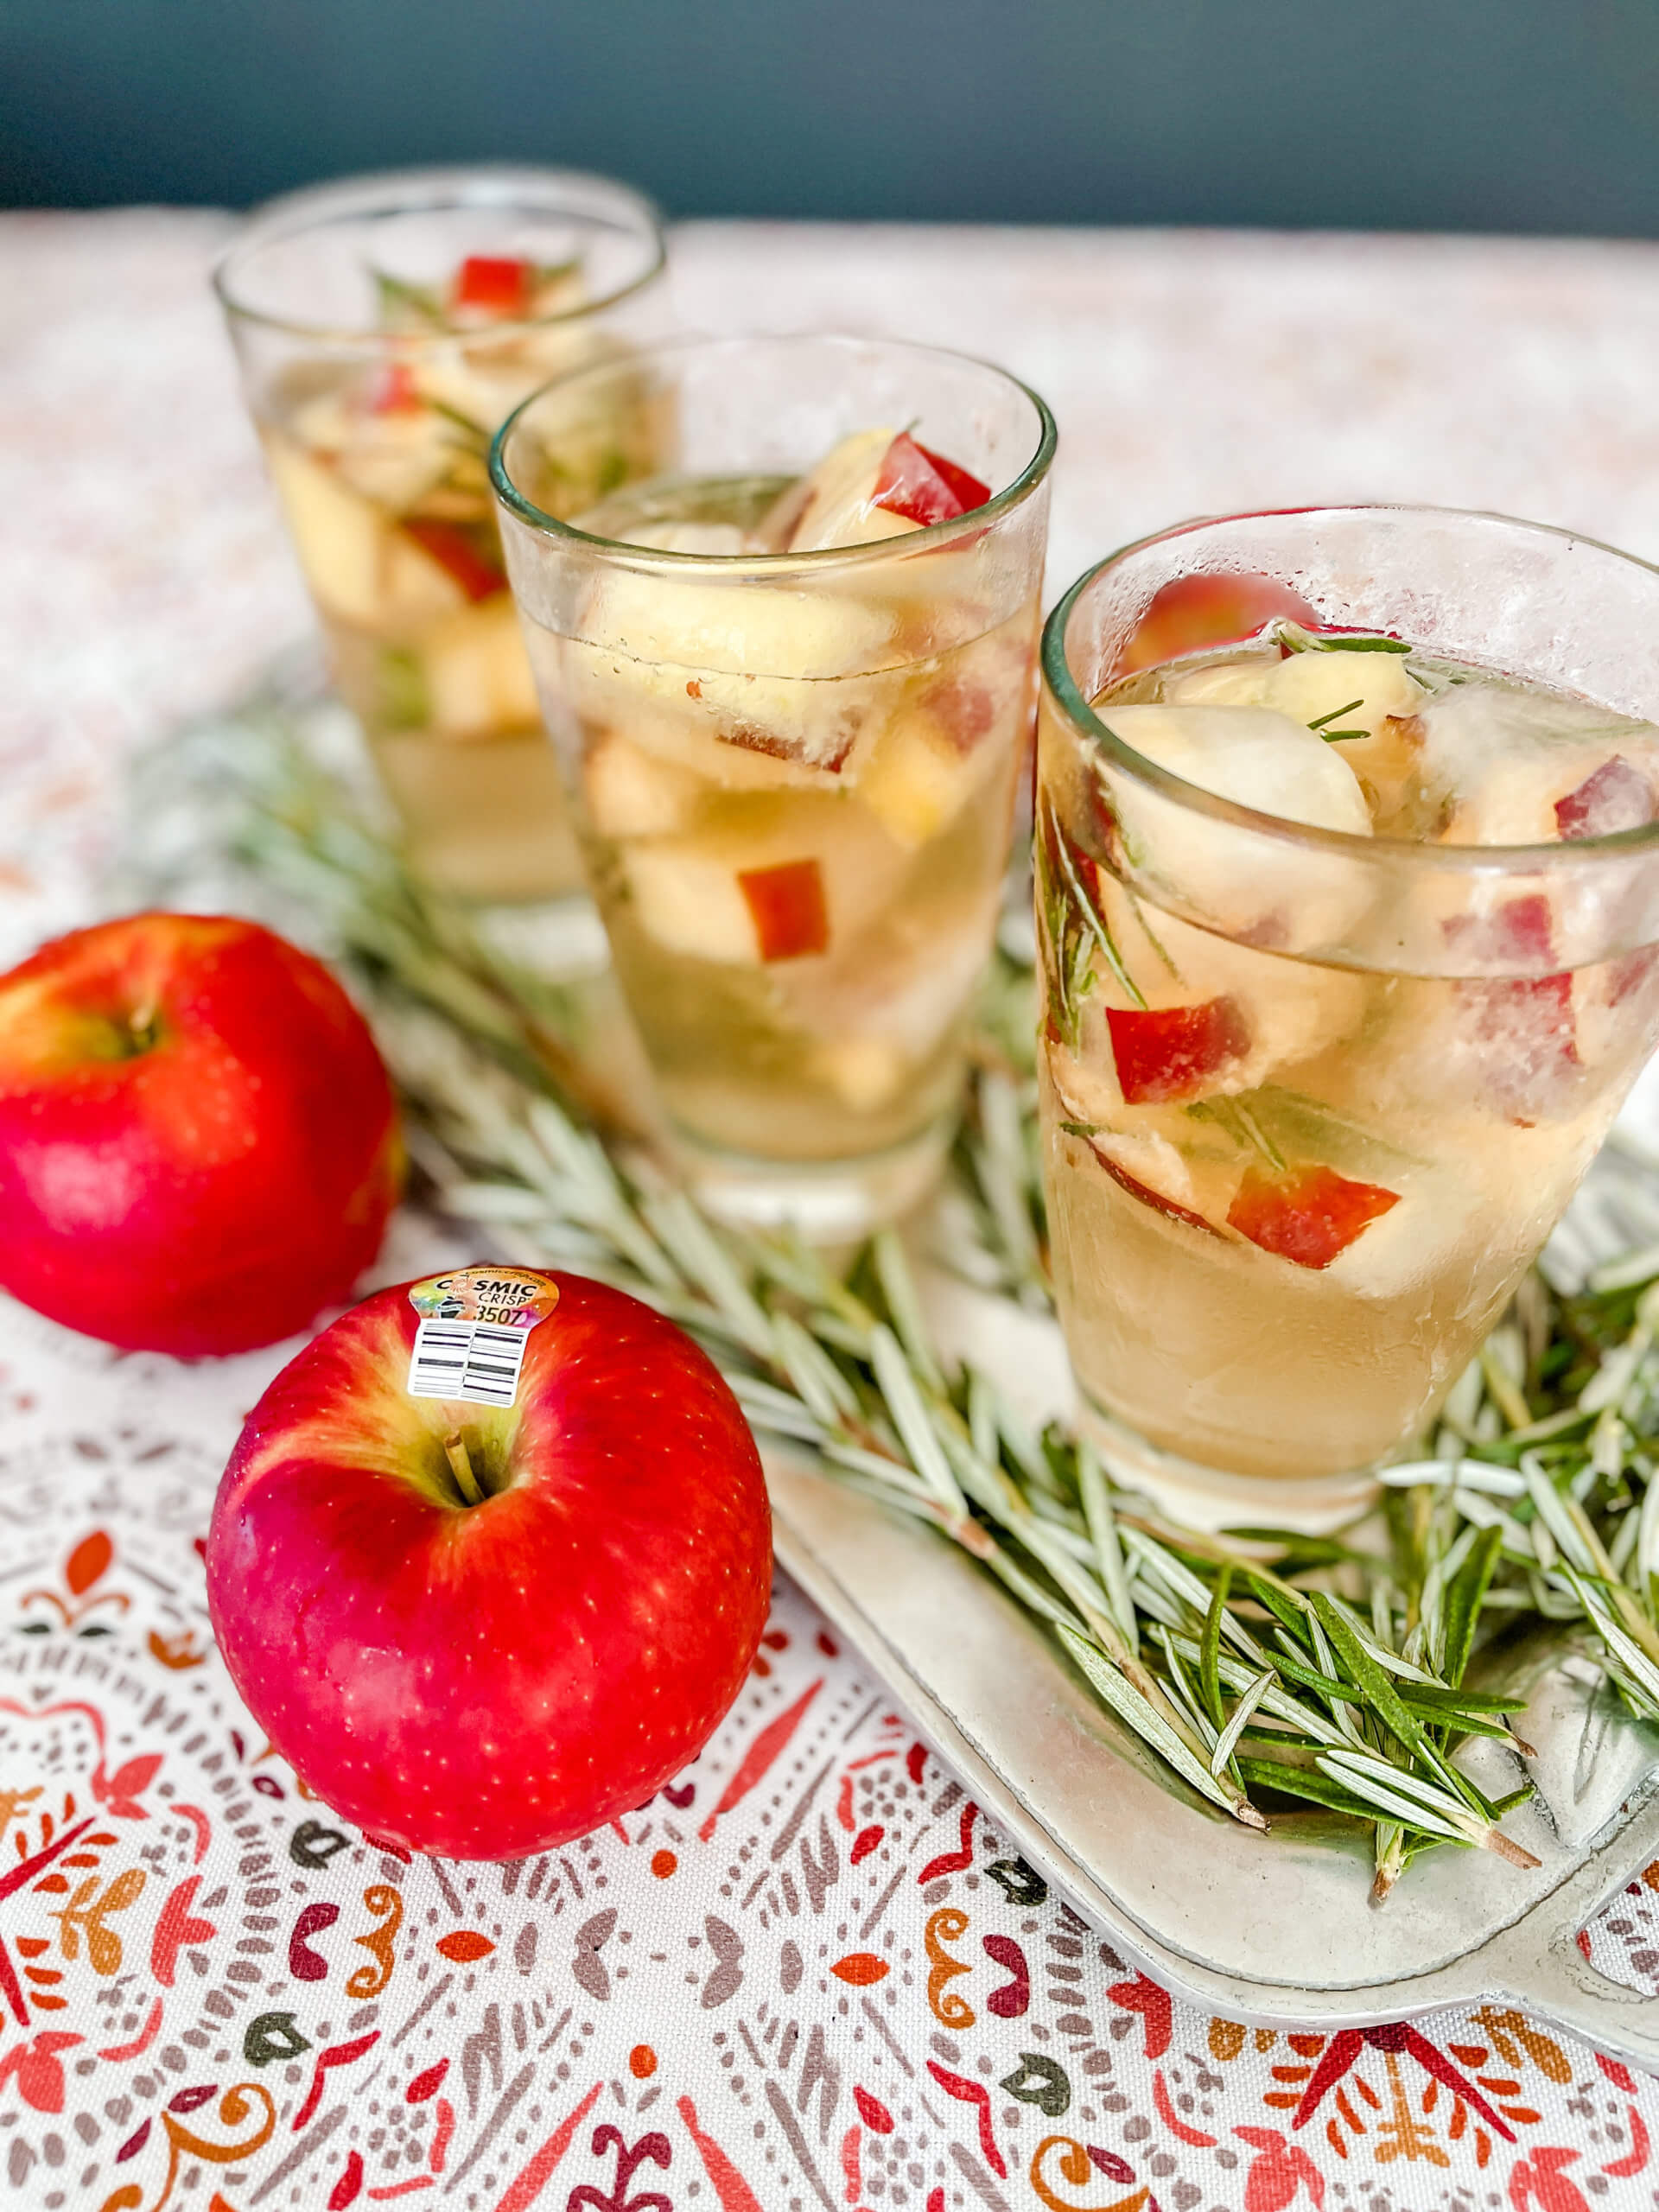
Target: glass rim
[(373, 193), (1496, 859), (654, 559)]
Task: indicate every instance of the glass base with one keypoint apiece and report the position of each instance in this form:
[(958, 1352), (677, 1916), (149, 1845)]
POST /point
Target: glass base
[(829, 1202), (556, 940), (1211, 1498)]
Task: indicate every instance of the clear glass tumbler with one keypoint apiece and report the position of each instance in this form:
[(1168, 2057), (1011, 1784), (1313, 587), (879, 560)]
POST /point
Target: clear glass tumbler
[(386, 325), (1313, 1096), (794, 772)]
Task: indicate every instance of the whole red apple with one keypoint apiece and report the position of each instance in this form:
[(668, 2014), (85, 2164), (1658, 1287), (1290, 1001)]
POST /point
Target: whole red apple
[(1192, 612), (485, 1680), (198, 1142)]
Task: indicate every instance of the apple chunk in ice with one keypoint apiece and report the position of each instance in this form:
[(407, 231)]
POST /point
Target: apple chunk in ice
[(1509, 766), (874, 485)]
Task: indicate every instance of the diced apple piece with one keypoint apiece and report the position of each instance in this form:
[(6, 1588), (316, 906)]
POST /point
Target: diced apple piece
[(1252, 755), (1613, 797), (1309, 1215), (864, 1072), (1176, 1051), (1325, 691), (834, 503), (924, 487), (339, 538), (1144, 1194), (1193, 612), (1141, 1162), (631, 793), (478, 677), (787, 905), (493, 284), (472, 561), (1338, 691), (688, 897)]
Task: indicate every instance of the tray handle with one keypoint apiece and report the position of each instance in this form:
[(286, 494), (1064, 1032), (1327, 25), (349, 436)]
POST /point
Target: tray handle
[(1542, 1968)]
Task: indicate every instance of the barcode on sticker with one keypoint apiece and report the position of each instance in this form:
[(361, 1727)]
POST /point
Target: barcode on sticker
[(467, 1359)]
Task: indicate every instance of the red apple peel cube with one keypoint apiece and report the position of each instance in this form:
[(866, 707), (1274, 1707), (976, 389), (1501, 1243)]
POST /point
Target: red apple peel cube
[(1616, 797), (924, 487), (1309, 1217), (787, 904), (1166, 1053), (493, 282)]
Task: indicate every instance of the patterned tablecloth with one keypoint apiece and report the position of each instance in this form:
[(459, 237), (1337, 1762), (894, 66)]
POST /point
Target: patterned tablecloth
[(810, 1974)]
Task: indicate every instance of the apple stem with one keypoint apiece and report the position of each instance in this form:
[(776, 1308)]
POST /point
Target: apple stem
[(454, 1450)]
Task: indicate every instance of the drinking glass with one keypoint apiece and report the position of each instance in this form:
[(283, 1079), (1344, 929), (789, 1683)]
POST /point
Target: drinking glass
[(794, 774), (1311, 1099), (384, 327)]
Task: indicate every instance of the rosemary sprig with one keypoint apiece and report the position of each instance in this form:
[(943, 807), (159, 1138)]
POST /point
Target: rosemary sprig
[(1265, 1668), (402, 303)]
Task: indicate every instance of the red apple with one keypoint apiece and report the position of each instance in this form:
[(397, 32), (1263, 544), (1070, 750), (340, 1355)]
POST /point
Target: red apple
[(199, 1147), (1193, 612), (487, 1680)]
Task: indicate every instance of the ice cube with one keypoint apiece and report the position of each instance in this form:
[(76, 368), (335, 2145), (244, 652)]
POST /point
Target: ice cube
[(415, 588), (688, 897), (1412, 1246), (1502, 759), (1255, 756), (688, 893), (907, 994), (916, 780), (741, 671), (747, 628)]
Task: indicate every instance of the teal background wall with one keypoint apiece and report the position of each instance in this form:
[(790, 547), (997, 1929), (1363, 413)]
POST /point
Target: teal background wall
[(1496, 115)]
